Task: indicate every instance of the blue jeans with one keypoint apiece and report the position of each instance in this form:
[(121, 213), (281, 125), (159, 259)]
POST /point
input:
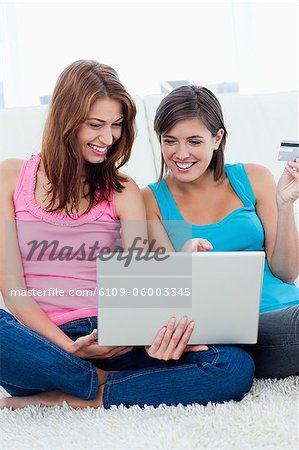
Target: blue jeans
[(30, 364), (276, 354)]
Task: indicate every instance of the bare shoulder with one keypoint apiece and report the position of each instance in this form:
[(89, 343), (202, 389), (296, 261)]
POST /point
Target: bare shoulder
[(130, 187), (256, 171), (148, 195), (11, 165), (129, 202), (9, 171), (149, 198), (151, 205), (261, 179)]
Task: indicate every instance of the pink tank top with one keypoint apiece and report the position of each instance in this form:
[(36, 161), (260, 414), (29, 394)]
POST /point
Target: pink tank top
[(59, 252)]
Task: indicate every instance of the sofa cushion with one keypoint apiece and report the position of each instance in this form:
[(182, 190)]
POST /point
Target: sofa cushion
[(256, 124), (21, 131)]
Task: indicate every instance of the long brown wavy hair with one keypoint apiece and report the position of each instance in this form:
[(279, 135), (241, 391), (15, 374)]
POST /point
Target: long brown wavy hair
[(77, 88), (186, 102)]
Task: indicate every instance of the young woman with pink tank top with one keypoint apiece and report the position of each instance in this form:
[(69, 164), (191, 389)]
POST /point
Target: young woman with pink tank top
[(59, 209)]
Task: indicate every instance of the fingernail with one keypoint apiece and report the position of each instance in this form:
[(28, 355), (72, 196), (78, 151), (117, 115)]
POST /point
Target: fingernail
[(172, 322), (191, 324)]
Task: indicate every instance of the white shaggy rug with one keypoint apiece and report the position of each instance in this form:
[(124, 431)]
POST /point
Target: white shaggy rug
[(267, 418)]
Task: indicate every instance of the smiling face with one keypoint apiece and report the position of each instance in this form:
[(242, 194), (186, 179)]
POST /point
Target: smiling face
[(100, 130), (188, 148)]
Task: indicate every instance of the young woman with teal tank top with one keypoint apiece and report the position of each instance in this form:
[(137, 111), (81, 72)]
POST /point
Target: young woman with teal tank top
[(231, 207), (73, 192)]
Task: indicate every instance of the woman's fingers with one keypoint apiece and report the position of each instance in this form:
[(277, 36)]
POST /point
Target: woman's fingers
[(167, 335), (97, 352), (196, 348), (177, 336), (196, 245), (182, 344), (168, 343), (161, 341), (201, 245), (83, 341), (117, 351), (293, 168), (157, 341), (171, 342), (125, 350), (90, 341)]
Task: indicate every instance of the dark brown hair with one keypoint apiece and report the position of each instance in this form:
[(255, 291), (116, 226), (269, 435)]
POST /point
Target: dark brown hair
[(77, 88), (187, 102)]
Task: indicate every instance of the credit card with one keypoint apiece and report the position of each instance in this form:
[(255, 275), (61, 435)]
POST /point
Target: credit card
[(289, 151)]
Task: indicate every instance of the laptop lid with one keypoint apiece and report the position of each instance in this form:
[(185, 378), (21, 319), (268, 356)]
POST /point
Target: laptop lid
[(220, 291)]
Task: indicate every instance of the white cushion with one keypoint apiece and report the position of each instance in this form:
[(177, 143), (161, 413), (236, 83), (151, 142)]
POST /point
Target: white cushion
[(21, 135), (141, 165), (21, 131), (256, 124)]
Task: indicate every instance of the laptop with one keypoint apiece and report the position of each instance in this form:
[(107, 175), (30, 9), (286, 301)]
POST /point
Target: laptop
[(220, 291)]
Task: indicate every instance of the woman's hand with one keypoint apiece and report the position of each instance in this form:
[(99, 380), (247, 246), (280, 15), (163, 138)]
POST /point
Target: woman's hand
[(171, 342), (86, 347), (196, 245), (288, 184)]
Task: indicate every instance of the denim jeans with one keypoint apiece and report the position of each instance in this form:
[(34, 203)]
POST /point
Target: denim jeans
[(276, 354), (30, 363)]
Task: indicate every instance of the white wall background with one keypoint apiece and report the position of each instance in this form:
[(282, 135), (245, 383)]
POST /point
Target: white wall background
[(254, 43)]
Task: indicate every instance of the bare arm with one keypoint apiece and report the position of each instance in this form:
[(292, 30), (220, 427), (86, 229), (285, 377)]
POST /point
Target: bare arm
[(131, 212), (277, 217), (172, 340), (25, 309), (157, 233)]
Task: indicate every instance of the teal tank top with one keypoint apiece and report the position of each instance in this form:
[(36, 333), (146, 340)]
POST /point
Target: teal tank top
[(241, 230)]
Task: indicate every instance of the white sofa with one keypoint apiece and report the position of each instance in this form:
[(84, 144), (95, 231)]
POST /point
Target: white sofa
[(256, 124)]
